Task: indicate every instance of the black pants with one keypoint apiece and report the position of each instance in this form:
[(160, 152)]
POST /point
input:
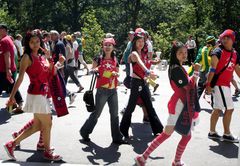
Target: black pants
[(191, 56), (6, 85), (139, 88), (201, 83), (69, 71)]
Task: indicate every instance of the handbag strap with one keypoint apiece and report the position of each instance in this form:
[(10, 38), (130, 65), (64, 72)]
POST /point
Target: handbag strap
[(93, 81), (224, 68)]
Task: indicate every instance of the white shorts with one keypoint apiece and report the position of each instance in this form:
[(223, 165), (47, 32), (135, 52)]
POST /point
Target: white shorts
[(172, 119), (37, 104), (222, 98)]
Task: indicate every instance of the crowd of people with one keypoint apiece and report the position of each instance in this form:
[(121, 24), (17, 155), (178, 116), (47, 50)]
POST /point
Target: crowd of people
[(46, 54)]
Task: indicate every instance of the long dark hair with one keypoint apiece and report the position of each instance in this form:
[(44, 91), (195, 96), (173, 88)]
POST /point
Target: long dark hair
[(136, 37), (29, 35), (176, 45)]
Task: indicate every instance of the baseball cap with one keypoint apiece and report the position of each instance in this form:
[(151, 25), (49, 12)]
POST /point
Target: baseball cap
[(210, 38), (230, 33), (109, 41), (68, 37)]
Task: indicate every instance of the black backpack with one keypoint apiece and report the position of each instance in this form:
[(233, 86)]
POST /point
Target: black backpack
[(88, 97)]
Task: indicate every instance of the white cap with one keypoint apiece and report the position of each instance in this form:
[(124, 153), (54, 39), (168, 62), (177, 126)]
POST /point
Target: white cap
[(109, 35)]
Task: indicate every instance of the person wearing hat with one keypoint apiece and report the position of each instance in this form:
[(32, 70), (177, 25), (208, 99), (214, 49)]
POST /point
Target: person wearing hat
[(204, 59), (107, 66), (8, 67), (224, 62)]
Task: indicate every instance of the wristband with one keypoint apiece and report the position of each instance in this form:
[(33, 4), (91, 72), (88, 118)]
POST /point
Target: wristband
[(212, 70)]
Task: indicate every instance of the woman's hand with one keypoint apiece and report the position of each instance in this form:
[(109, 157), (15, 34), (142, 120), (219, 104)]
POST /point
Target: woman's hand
[(10, 102), (115, 74)]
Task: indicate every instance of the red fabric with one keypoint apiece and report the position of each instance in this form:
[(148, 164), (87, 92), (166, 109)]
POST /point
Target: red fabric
[(6, 44), (181, 147), (179, 93), (38, 74), (58, 96), (76, 54), (155, 143), (106, 65), (226, 77), (136, 67)]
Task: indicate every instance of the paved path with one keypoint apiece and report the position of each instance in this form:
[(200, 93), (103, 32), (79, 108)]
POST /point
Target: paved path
[(67, 141)]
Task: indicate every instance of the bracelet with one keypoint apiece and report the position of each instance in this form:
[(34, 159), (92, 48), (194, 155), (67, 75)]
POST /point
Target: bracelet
[(213, 70), (147, 72)]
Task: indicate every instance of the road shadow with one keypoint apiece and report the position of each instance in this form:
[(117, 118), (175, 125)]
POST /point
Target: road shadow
[(226, 149), (109, 155), (36, 157), (4, 116), (142, 135)]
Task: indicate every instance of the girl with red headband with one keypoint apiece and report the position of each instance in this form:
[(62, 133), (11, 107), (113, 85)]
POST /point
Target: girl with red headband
[(107, 67)]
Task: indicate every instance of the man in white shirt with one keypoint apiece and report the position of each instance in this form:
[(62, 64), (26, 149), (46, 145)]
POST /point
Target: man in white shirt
[(191, 45), (18, 44)]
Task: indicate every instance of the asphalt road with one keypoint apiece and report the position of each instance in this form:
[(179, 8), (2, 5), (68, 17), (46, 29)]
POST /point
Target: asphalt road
[(66, 139)]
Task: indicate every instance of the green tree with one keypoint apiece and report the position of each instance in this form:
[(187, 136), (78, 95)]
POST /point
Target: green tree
[(93, 34)]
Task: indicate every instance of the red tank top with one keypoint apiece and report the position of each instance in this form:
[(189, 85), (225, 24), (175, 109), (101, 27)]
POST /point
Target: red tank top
[(38, 74), (105, 69), (137, 68)]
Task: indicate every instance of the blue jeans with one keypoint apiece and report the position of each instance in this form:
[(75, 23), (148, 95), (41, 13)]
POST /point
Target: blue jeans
[(104, 95)]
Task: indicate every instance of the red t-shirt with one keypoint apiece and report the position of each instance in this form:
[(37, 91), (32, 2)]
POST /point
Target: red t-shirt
[(224, 55), (6, 44)]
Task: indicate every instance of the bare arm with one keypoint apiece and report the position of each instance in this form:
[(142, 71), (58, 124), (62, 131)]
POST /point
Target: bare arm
[(237, 70), (214, 62), (7, 61), (135, 58)]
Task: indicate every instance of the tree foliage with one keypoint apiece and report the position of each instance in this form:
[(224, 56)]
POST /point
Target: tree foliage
[(166, 20)]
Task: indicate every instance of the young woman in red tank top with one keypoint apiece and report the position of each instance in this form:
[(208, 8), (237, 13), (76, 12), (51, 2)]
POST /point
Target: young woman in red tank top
[(139, 88), (39, 70)]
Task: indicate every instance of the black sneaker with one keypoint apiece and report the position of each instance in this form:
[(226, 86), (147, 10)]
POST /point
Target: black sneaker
[(230, 138), (121, 142), (214, 136)]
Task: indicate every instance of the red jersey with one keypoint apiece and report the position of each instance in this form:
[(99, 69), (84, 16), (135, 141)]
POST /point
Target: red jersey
[(105, 69), (224, 56), (6, 45), (38, 74)]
